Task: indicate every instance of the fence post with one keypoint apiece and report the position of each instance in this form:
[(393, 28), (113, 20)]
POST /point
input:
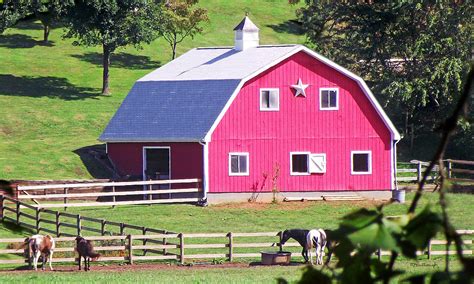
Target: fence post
[(165, 251), (37, 217), (122, 231), (144, 230), (130, 249), (150, 196), (2, 208), (18, 212), (418, 172), (58, 224), (113, 196), (231, 243), (78, 224), (280, 234), (379, 254), (181, 248), (450, 167), (429, 249), (102, 227), (65, 199)]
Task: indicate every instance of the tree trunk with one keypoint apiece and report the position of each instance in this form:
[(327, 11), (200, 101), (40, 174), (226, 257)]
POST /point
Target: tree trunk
[(174, 50), (105, 65), (46, 29)]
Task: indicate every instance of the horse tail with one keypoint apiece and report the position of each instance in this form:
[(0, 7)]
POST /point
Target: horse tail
[(94, 255)]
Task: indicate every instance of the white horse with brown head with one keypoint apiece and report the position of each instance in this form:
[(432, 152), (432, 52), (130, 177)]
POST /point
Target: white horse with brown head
[(39, 245)]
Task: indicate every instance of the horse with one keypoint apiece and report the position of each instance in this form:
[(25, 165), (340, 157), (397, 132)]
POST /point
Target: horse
[(316, 239), (39, 245), (298, 235), (85, 249)]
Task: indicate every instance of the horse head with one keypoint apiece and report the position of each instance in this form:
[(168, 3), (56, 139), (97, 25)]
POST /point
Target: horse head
[(285, 236)]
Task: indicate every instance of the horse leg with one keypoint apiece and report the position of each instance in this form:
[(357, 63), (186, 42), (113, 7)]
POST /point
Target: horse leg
[(43, 261), (304, 253), (35, 260), (50, 259), (79, 261)]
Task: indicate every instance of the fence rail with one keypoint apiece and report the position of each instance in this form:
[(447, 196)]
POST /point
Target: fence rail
[(456, 170), (28, 192)]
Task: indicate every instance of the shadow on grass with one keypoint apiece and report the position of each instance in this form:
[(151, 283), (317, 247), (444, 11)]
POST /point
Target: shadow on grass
[(14, 228), (96, 162), (51, 87), (29, 23), (289, 27), (120, 60), (21, 41)]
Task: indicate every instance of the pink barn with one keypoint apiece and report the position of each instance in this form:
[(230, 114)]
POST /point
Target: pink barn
[(233, 115)]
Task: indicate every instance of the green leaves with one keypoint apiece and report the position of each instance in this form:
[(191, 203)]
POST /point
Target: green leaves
[(365, 231)]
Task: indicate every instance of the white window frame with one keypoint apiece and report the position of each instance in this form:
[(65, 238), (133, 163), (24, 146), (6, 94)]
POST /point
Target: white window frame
[(246, 154), (325, 161), (307, 164), (263, 108), (321, 99), (370, 162)]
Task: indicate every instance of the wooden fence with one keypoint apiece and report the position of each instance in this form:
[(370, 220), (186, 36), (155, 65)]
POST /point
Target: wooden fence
[(177, 247), (456, 170), (150, 195), (41, 220)]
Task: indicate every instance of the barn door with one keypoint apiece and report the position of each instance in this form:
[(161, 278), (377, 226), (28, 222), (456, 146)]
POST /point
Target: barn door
[(156, 163)]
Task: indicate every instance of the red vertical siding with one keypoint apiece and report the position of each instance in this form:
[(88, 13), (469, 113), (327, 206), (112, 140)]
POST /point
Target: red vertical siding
[(186, 158), (299, 125)]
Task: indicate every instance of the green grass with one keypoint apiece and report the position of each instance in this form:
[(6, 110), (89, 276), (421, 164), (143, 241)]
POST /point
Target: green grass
[(239, 218), (50, 94), (256, 274)]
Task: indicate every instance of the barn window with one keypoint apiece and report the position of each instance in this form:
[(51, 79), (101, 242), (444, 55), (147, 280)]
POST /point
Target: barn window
[(269, 99), (361, 162), (329, 98), (238, 164), (299, 163)]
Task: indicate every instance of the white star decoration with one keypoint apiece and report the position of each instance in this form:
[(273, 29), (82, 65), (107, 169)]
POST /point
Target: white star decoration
[(300, 88)]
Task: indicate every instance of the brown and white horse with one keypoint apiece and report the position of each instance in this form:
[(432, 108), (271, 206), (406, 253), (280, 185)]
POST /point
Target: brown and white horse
[(39, 245)]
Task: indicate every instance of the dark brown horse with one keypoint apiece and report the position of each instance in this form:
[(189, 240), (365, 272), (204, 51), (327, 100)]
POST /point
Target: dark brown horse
[(86, 250)]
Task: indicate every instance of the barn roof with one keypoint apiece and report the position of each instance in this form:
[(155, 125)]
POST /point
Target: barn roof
[(185, 99), (169, 111), (217, 63)]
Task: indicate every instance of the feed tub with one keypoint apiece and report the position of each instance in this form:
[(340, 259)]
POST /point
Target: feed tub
[(275, 257)]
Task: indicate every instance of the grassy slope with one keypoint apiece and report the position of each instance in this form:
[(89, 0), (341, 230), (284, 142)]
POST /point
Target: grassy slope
[(50, 93)]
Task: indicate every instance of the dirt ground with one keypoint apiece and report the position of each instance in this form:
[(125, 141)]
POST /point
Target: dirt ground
[(136, 267)]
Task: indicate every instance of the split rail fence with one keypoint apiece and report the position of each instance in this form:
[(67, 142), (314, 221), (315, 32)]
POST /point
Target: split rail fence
[(150, 195), (178, 247), (456, 171), (129, 243)]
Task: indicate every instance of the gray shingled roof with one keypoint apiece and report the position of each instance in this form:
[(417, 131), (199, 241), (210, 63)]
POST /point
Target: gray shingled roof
[(169, 111)]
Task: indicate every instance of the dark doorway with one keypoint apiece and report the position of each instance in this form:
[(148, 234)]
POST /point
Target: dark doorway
[(156, 163)]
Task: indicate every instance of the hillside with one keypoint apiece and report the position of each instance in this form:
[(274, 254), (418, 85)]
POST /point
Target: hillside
[(52, 110)]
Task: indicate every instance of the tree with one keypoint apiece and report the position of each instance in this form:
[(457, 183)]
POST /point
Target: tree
[(179, 21), (413, 54), (10, 12), (111, 24), (48, 11)]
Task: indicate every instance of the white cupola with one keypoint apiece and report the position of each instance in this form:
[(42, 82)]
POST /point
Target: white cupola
[(246, 35)]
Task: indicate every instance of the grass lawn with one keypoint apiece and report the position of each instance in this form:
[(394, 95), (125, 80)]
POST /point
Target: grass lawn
[(50, 94), (173, 274), (242, 217)]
